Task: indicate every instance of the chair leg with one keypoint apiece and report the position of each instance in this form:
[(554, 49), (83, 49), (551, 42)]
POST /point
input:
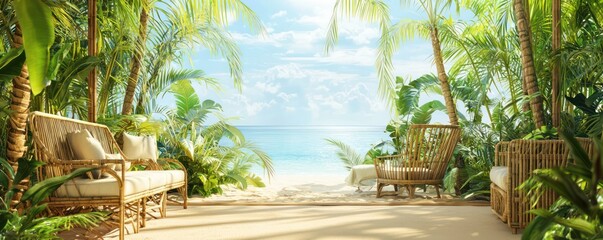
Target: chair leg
[(411, 191), (185, 196), (122, 220), (379, 188), (438, 191), (164, 204)]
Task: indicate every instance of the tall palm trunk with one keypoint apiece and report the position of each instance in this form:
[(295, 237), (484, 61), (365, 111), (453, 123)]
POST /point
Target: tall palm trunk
[(19, 106), (443, 77), (448, 100), (527, 60), (136, 62)]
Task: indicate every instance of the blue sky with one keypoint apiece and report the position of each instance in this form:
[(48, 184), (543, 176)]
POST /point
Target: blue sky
[(288, 80)]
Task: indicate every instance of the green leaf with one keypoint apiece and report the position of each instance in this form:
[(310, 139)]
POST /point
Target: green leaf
[(422, 115), (7, 171), (346, 154), (241, 180), (578, 224), (11, 64), (4, 216), (43, 189), (537, 228), (255, 180), (37, 26), (187, 100), (31, 214), (56, 60), (576, 150), (234, 134), (26, 168)]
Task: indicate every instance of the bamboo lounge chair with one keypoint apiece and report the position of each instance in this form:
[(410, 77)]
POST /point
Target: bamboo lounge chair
[(424, 159), (124, 194), (514, 163)]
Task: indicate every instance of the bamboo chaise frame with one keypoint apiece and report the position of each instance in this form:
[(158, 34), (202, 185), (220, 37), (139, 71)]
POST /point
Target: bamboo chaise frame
[(423, 160), (522, 157), (50, 146)]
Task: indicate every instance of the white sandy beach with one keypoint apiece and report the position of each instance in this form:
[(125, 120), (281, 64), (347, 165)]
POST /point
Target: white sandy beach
[(315, 189)]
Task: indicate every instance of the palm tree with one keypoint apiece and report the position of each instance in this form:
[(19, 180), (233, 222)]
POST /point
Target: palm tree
[(430, 29), (137, 57), (391, 37), (190, 20), (20, 98), (39, 29), (530, 82)]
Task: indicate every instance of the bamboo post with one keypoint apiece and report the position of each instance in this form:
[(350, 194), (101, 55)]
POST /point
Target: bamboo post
[(556, 71), (92, 51)]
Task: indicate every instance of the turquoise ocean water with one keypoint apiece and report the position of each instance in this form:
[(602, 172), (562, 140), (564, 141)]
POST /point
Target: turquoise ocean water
[(299, 150)]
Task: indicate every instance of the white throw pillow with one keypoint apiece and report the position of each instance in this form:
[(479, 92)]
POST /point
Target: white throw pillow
[(117, 167), (140, 147), (86, 147)]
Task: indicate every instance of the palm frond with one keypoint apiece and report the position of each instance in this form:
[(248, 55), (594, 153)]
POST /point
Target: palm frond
[(346, 154)]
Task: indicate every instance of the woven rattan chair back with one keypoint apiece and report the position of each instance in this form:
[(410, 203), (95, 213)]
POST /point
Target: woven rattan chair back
[(424, 158), (49, 134)]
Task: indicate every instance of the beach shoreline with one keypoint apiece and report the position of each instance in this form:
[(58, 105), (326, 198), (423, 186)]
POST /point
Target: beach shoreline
[(322, 189)]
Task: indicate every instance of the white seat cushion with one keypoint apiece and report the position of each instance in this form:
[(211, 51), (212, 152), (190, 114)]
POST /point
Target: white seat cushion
[(105, 187), (499, 175), (140, 147), (161, 178)]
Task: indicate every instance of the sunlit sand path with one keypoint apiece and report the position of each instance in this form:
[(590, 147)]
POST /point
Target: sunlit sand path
[(334, 222)]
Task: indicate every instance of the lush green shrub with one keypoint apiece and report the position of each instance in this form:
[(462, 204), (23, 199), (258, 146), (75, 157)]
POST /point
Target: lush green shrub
[(29, 223)]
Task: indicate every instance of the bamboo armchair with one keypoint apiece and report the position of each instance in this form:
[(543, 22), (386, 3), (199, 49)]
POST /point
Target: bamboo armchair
[(124, 193), (518, 160), (424, 159)]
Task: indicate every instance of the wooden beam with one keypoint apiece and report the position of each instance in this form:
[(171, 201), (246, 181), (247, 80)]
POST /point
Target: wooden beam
[(92, 51), (556, 71)]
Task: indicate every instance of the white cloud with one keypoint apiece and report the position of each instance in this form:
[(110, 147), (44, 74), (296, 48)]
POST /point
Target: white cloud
[(249, 39), (299, 73), (363, 56), (267, 87), (286, 71), (290, 109), (361, 35), (323, 88), (280, 13), (358, 98), (286, 97), (250, 107)]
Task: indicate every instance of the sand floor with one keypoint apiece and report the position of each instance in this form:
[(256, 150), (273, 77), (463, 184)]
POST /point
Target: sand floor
[(318, 207), (325, 222)]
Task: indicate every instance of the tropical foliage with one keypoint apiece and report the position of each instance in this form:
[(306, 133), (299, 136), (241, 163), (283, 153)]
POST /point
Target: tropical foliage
[(499, 66), (200, 146), (134, 71), (578, 213), (30, 223)]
